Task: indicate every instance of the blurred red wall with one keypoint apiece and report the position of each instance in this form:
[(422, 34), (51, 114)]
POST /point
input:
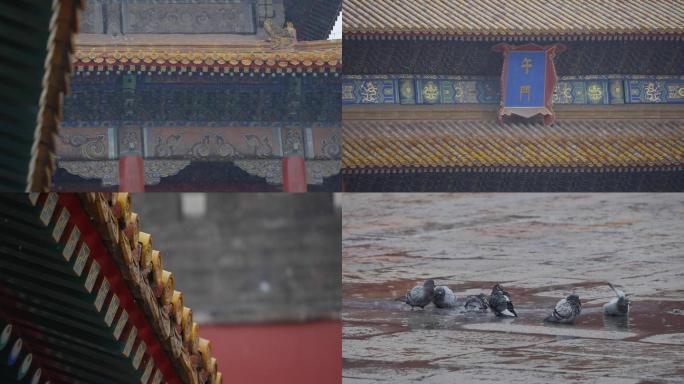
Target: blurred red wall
[(288, 353)]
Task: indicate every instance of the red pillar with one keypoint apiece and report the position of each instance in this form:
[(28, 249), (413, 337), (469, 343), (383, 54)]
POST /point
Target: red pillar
[(131, 174), (294, 174)]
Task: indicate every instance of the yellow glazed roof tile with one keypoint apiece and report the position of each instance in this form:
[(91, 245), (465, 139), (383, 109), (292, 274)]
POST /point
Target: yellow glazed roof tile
[(513, 17), (309, 54), (454, 144), (142, 269)]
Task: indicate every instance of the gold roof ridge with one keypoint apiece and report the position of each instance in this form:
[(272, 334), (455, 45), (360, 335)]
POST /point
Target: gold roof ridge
[(327, 54)]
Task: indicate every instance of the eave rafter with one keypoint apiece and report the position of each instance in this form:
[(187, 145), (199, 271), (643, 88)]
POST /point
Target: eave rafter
[(84, 254)]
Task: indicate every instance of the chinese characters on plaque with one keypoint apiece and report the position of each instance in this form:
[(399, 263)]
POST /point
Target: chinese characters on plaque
[(527, 81)]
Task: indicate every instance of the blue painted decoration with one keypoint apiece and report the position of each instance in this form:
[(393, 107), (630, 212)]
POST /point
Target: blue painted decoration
[(525, 79), (578, 90)]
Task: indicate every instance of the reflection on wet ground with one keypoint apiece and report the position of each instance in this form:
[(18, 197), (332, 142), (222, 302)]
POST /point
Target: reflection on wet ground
[(646, 318), (560, 244)]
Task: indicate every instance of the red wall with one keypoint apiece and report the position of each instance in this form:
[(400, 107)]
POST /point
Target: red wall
[(296, 353)]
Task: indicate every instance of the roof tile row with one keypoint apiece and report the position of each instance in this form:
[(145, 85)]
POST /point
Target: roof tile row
[(513, 17), (63, 27), (142, 268), (325, 54), (451, 144)]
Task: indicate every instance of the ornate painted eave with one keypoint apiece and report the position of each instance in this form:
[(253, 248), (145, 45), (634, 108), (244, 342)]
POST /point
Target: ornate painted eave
[(92, 151), (35, 52), (536, 20), (213, 56), (63, 27), (155, 169), (85, 254), (410, 146), (453, 90)]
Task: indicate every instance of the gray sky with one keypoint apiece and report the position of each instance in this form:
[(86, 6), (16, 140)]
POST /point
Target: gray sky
[(337, 29)]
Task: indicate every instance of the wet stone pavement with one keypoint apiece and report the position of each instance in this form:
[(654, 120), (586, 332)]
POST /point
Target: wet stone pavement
[(540, 247)]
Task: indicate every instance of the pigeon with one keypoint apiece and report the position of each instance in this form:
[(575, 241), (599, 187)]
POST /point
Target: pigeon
[(444, 297), (618, 306), (421, 295), (477, 303), (567, 310), (500, 302)]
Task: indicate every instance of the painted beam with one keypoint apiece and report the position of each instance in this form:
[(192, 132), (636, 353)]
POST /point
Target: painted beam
[(453, 90)]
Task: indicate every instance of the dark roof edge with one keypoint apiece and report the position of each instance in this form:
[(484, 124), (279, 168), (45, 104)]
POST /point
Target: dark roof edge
[(351, 35)]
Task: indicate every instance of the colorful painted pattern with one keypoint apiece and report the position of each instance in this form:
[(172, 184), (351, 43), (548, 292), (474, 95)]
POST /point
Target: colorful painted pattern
[(486, 90), (201, 98)]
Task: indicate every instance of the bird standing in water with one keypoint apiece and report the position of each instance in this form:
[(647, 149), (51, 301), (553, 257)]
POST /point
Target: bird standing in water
[(566, 311), (421, 295), (444, 297), (500, 302), (477, 303), (618, 306)]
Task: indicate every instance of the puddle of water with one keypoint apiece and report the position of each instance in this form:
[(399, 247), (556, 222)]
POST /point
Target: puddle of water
[(368, 304), (541, 248), (410, 364), (554, 330)]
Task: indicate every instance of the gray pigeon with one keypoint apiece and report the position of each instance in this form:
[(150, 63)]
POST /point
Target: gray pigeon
[(567, 310), (477, 303), (500, 302), (618, 306), (444, 297), (421, 295)]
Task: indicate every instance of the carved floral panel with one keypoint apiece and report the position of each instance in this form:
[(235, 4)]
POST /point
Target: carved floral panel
[(327, 143), (189, 18), (212, 143), (83, 143)]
